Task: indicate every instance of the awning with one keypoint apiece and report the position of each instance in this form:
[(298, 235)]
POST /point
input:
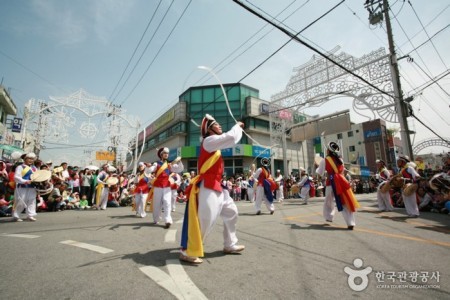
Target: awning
[(10, 148)]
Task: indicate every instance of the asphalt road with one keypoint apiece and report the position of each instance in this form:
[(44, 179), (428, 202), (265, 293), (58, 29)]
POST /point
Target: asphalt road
[(292, 254)]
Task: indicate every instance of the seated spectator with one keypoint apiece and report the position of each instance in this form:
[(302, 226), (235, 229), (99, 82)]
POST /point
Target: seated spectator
[(41, 204), (425, 199), (113, 196), (125, 198), (55, 200), (5, 207), (181, 197), (84, 203), (73, 201)]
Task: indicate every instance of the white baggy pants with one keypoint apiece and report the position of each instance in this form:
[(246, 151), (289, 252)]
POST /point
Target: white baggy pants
[(162, 199), (329, 208), (211, 205)]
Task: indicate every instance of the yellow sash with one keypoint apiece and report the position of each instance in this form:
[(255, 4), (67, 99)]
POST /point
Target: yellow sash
[(99, 191), (163, 167), (195, 243)]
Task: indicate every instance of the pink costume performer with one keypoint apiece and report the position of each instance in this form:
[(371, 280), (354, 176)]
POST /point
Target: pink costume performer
[(207, 198)]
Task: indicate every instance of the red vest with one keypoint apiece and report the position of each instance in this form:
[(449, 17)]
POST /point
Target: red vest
[(213, 176), (382, 173), (330, 169), (142, 185), (405, 173), (162, 180), (263, 175)]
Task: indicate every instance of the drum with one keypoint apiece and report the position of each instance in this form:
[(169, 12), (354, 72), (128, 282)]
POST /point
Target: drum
[(41, 181), (397, 182), (410, 189), (317, 160), (385, 187), (112, 181)]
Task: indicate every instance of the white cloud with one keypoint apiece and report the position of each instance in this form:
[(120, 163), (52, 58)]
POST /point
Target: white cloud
[(108, 15)]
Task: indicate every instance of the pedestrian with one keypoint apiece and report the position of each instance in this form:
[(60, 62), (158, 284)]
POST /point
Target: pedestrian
[(161, 191), (175, 182), (280, 183), (337, 187), (86, 181), (25, 193), (383, 192), (207, 197)]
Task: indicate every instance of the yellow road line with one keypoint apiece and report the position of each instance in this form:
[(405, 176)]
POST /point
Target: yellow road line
[(392, 235)]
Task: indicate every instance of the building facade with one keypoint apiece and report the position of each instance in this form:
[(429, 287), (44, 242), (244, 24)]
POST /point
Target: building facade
[(178, 129)]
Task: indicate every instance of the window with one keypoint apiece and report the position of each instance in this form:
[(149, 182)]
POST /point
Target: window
[(377, 150), (196, 96), (339, 136), (350, 133), (351, 148)]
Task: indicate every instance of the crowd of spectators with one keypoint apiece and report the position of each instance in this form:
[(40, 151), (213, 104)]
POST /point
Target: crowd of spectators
[(74, 188)]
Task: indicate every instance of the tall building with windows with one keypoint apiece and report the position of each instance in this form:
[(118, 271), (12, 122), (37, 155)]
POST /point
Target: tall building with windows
[(178, 129)]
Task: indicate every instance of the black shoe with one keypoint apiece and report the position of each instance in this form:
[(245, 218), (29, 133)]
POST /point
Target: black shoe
[(272, 212), (350, 227), (258, 212)]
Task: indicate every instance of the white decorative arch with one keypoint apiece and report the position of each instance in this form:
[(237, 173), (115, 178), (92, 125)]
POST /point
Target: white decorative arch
[(56, 120), (318, 81)]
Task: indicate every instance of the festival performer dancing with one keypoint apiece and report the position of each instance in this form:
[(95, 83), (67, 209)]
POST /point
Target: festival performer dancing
[(337, 187), (161, 192), (141, 190), (383, 176), (207, 198), (305, 185), (266, 186), (25, 192), (410, 176)]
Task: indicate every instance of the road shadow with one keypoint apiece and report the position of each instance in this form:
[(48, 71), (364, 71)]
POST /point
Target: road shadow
[(324, 226)]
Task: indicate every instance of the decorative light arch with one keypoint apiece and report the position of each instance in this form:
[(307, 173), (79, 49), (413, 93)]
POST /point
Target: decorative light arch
[(430, 143), (56, 118), (318, 81)]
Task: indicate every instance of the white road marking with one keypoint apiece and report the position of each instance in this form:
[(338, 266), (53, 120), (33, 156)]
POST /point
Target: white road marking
[(182, 280), (170, 236), (25, 236), (177, 282), (87, 246)]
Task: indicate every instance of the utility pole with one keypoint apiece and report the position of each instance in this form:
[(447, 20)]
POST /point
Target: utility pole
[(376, 10)]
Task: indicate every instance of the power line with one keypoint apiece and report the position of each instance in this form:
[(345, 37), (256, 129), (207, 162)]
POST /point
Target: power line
[(143, 52), (295, 37), (429, 40), (271, 55), (157, 54), (135, 50), (426, 32)]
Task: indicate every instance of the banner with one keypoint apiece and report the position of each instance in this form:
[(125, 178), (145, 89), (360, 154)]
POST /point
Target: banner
[(17, 125), (105, 155)]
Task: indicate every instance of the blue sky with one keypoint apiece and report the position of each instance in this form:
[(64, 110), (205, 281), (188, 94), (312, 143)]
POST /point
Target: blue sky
[(55, 47)]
